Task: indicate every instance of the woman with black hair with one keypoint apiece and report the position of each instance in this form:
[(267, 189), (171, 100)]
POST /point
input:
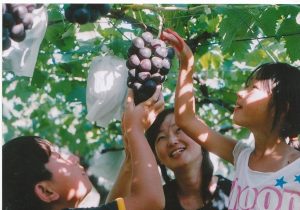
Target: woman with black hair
[(194, 186), (267, 176)]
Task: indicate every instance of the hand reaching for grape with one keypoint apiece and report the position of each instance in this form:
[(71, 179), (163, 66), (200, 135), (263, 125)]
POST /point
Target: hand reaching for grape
[(183, 50), (141, 116)]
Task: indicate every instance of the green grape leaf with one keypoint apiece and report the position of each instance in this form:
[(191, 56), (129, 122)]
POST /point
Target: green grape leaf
[(78, 93), (292, 44), (289, 26), (268, 21)]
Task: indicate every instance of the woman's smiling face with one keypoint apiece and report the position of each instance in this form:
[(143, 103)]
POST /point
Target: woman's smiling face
[(173, 147)]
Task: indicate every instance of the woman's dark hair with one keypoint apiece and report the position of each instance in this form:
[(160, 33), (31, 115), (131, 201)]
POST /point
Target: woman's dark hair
[(23, 163), (285, 89), (206, 165)]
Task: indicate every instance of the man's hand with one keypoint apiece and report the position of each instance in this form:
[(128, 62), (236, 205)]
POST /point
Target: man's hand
[(141, 116)]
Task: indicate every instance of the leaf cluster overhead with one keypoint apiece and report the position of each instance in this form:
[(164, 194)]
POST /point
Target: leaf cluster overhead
[(227, 40)]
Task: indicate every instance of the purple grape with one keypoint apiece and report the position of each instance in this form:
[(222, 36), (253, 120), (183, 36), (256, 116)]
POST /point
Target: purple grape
[(157, 43), (30, 7), (148, 87), (138, 43), (128, 65), (104, 9), (144, 52), (156, 64), (94, 13), (17, 32), (132, 50), (69, 14), (28, 21), (12, 6), (81, 15), (143, 76), (38, 6), (161, 52), (132, 73), (157, 78), (134, 60), (144, 92), (19, 12), (166, 65), (130, 82), (147, 37), (150, 56), (137, 86), (76, 6), (84, 13), (171, 52), (145, 65)]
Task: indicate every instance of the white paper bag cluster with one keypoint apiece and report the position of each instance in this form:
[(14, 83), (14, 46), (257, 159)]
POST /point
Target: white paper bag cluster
[(21, 57), (106, 89)]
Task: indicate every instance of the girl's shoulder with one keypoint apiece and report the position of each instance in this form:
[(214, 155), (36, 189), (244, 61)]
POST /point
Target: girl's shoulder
[(289, 156), (239, 148)]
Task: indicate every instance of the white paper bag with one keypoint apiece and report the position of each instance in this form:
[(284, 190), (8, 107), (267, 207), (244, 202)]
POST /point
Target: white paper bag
[(21, 57), (106, 89)]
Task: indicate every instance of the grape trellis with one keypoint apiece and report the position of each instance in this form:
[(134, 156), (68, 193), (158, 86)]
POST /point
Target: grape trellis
[(227, 41)]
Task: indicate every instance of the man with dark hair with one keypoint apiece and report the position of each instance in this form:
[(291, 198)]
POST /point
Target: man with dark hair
[(38, 177)]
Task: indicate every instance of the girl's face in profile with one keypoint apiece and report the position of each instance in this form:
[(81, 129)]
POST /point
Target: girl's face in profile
[(69, 178), (253, 108), (174, 148)]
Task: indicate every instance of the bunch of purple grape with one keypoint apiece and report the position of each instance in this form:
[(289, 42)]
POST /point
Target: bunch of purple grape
[(17, 18), (85, 13), (149, 61)]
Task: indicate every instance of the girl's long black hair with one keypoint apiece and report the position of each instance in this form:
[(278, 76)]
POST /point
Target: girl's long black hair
[(283, 81), (206, 165)]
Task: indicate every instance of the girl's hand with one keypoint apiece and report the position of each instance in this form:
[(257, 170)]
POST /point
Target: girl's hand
[(141, 116), (183, 50)]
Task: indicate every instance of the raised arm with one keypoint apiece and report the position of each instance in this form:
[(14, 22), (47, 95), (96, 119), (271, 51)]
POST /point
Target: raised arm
[(122, 185), (146, 190), (185, 115)]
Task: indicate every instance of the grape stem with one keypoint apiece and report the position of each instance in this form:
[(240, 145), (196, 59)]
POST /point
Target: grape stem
[(161, 24)]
